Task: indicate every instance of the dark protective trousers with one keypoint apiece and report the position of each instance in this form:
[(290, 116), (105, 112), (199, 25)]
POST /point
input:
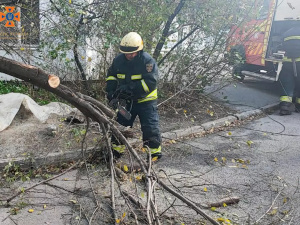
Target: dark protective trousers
[(290, 84), (149, 119)]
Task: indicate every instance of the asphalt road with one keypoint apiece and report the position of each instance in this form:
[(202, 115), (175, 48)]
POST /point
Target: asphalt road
[(257, 162), (247, 95)]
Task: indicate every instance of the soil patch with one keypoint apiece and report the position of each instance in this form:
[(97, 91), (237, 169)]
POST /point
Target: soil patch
[(27, 136), (191, 110)]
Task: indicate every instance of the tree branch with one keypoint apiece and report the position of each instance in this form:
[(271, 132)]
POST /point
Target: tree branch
[(165, 32)]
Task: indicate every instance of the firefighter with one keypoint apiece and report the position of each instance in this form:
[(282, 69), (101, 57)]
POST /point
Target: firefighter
[(133, 77), (290, 74)]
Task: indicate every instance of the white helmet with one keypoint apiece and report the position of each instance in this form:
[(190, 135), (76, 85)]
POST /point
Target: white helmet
[(131, 42)]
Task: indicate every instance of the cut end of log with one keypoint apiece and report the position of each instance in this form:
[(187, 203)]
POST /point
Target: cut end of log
[(53, 81)]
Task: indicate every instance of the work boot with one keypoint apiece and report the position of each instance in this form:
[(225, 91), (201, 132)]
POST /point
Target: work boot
[(286, 108), (297, 107), (156, 156), (297, 104)]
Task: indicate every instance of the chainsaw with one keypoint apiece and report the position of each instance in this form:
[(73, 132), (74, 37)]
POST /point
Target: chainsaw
[(119, 105)]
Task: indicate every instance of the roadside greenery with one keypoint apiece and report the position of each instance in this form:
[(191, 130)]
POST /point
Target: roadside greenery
[(79, 39), (41, 96)]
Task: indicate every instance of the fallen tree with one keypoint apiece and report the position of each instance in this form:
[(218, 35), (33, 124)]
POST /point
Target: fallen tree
[(101, 114)]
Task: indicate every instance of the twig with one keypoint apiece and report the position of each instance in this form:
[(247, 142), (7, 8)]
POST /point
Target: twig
[(56, 186), (188, 202), (126, 200), (151, 183), (42, 182), (268, 208), (79, 214), (90, 221), (87, 170), (154, 208), (183, 89), (12, 220), (227, 201), (132, 199), (149, 190), (100, 105), (168, 208), (112, 172), (120, 173)]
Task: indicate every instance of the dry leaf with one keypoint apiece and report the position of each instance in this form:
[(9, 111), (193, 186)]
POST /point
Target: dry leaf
[(241, 161), (285, 200), (273, 212), (244, 166), (249, 143), (73, 201)]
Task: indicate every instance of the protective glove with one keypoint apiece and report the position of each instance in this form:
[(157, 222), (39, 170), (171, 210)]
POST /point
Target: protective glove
[(124, 92), (114, 103), (110, 96)]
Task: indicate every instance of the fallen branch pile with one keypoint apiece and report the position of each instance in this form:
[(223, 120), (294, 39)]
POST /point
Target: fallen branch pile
[(101, 114)]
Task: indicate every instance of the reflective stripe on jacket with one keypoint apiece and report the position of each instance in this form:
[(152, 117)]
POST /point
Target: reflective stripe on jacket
[(139, 75), (291, 44)]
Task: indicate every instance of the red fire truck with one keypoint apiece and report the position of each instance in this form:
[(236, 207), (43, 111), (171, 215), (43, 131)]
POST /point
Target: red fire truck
[(256, 46)]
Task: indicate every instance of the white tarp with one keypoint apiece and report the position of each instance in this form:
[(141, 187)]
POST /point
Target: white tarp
[(12, 102)]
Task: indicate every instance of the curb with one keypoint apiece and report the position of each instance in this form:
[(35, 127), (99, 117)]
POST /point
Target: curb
[(61, 157)]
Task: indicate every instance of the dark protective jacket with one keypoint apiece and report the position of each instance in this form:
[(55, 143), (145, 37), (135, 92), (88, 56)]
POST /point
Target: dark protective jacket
[(139, 76), (291, 43)]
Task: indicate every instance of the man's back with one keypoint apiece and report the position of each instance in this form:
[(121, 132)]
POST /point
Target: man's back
[(291, 42)]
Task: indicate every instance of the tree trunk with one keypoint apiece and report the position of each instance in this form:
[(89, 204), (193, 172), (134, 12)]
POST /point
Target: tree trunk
[(40, 78)]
